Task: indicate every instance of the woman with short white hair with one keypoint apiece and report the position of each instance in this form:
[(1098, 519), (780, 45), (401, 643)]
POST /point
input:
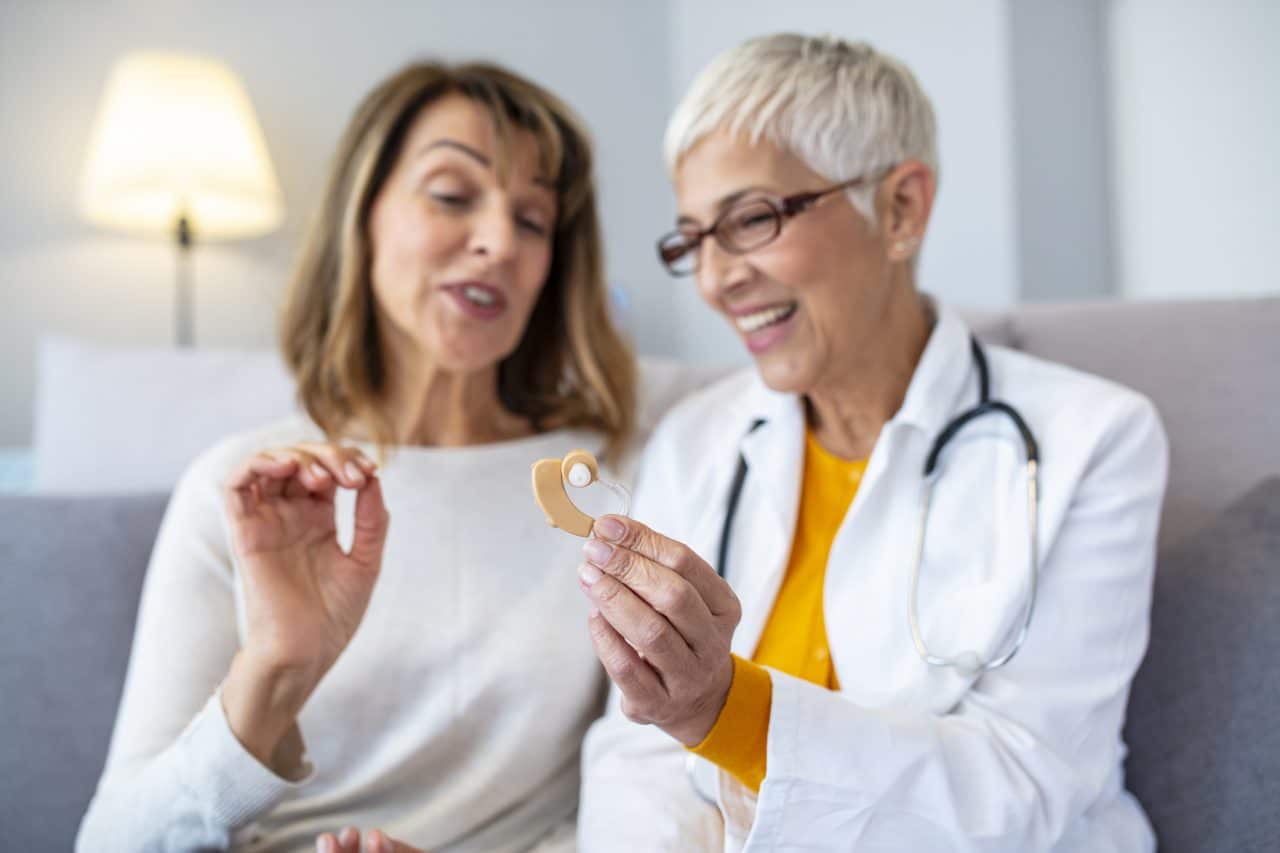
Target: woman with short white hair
[(887, 589)]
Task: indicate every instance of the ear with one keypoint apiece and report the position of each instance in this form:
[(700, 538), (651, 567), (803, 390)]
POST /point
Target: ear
[(906, 202)]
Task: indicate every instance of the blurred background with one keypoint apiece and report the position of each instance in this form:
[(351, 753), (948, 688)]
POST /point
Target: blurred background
[(1091, 149)]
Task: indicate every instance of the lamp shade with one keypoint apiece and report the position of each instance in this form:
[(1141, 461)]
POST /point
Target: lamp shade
[(176, 135)]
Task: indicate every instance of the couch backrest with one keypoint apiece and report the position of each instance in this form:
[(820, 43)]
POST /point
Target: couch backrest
[(71, 573), (1212, 369)]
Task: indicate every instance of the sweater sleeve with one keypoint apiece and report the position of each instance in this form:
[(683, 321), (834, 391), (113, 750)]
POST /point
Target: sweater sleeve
[(175, 776), (739, 740)]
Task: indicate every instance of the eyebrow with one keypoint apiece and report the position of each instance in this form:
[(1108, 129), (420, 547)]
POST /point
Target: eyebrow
[(477, 156), (450, 143), (724, 203)]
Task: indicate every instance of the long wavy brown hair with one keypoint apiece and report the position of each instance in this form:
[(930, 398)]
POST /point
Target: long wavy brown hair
[(571, 366)]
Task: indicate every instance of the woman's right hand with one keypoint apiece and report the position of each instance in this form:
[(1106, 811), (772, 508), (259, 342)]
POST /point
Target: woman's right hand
[(348, 841), (304, 596)]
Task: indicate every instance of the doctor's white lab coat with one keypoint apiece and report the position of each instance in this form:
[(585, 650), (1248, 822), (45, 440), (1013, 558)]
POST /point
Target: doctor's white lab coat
[(909, 757)]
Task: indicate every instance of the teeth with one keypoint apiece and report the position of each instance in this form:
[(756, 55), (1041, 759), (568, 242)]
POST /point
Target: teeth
[(478, 295), (754, 322)]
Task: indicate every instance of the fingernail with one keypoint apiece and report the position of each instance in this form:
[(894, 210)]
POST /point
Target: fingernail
[(326, 844), (610, 529), (353, 472), (597, 552), (365, 462), (588, 573), (319, 471), (348, 835)]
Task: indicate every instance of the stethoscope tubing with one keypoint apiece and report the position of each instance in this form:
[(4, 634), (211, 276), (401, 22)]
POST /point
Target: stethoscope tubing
[(967, 663)]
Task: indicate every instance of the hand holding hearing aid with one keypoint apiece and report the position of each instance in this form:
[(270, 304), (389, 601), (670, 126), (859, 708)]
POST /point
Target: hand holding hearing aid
[(579, 469)]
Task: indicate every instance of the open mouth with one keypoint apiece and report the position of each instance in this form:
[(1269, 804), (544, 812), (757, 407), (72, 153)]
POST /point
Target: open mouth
[(479, 296), (478, 300), (774, 315)]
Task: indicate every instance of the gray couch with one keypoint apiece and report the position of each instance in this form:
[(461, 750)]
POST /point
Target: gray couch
[(1205, 753)]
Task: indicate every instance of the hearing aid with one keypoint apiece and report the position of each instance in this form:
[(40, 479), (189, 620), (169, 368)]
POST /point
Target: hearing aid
[(579, 469)]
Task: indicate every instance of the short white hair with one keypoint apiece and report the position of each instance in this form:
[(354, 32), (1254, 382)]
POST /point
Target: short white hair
[(842, 107)]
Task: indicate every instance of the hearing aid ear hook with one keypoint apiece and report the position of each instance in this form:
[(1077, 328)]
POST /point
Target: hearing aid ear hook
[(579, 469)]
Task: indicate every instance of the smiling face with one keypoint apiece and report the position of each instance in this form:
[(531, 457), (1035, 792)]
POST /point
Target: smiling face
[(460, 252), (807, 302)]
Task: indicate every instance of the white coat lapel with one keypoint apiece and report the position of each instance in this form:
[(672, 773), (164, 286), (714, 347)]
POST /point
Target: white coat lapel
[(764, 526)]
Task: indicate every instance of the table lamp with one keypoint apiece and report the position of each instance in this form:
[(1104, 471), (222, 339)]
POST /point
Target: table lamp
[(176, 150)]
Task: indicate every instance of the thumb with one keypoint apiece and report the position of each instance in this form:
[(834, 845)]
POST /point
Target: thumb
[(371, 522)]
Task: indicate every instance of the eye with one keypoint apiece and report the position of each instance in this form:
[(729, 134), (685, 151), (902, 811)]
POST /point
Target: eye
[(534, 225), (450, 200), (534, 222), (449, 191), (754, 218)]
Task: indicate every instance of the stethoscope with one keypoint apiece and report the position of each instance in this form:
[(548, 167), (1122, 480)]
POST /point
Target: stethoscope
[(967, 663)]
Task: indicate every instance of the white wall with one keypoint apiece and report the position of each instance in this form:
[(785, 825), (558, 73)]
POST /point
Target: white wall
[(1196, 147), (1061, 149), (305, 66), (1192, 132), (960, 53)]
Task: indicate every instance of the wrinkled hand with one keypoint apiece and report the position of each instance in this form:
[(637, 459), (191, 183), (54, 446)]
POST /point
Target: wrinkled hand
[(348, 841), (304, 596), (662, 628)]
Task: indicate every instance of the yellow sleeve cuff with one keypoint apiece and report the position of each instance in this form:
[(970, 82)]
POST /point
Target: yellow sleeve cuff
[(739, 740)]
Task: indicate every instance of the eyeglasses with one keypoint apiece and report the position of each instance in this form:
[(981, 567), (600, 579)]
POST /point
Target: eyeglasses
[(744, 226)]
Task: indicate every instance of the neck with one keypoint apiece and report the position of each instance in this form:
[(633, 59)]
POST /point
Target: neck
[(430, 406), (847, 409)]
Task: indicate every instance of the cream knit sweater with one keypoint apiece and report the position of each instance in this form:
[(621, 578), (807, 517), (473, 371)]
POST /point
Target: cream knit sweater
[(453, 719)]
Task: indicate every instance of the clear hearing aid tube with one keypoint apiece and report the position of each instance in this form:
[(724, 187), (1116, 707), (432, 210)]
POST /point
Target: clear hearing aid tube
[(581, 471), (580, 476)]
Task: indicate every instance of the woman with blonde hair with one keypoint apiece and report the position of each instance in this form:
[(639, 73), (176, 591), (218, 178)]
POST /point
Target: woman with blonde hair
[(301, 662), (885, 589)]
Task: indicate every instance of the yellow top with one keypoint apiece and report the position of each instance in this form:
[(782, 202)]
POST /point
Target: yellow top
[(794, 639)]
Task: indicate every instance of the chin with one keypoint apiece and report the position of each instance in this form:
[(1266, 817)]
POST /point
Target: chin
[(471, 355), (782, 374), (470, 361)]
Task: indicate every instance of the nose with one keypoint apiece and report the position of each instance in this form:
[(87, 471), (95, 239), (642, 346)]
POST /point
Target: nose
[(719, 272), (493, 233)]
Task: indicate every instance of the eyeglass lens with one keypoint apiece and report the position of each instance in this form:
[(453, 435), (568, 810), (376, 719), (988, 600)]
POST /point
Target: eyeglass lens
[(745, 226)]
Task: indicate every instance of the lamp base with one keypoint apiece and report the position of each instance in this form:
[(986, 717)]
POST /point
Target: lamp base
[(184, 325)]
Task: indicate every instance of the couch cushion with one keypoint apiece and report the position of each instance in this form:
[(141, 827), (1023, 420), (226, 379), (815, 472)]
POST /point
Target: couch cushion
[(1204, 745), (71, 574)]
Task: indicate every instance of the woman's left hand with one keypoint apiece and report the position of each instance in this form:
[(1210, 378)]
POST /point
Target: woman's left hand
[(662, 626), (348, 841)]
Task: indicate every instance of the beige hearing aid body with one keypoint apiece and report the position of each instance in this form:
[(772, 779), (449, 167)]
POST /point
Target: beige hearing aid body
[(578, 468)]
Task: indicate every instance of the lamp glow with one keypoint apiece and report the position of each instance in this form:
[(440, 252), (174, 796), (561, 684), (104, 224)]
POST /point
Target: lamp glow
[(176, 137)]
